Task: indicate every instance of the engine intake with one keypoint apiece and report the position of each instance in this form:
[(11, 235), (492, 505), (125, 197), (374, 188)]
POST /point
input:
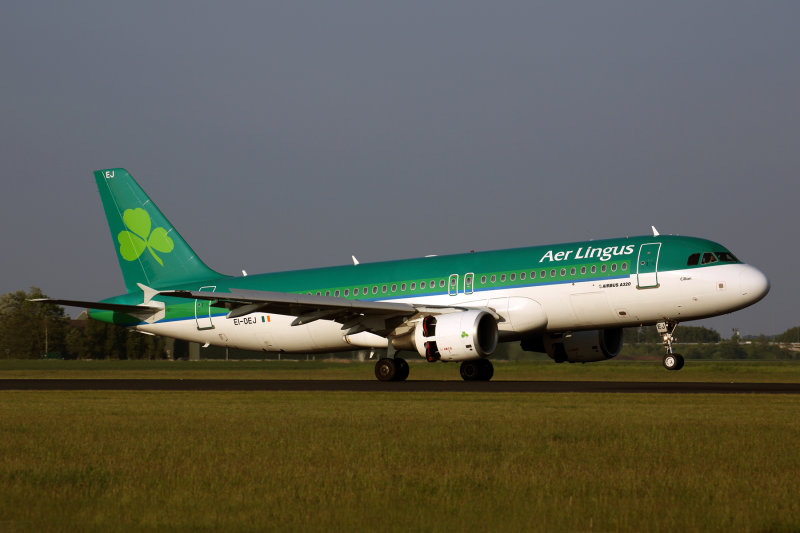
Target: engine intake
[(458, 336)]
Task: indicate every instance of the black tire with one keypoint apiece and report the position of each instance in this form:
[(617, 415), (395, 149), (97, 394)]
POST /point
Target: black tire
[(470, 371), (680, 362), (402, 369), (671, 361), (385, 369), (487, 369)]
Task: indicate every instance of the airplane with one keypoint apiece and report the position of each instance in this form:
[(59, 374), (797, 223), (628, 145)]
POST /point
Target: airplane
[(569, 300)]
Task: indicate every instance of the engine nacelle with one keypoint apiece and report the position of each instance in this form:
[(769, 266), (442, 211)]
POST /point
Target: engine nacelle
[(578, 346), (458, 336)]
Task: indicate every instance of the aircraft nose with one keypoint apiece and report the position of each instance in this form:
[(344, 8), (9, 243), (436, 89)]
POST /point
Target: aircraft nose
[(753, 282)]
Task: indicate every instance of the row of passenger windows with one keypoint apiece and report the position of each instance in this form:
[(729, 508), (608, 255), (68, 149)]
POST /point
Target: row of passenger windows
[(708, 258), (383, 288), (554, 273)]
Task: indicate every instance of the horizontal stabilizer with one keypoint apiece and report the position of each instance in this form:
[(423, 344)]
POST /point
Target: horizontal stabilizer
[(121, 308)]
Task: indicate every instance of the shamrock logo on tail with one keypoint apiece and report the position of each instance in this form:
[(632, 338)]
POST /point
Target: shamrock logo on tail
[(133, 243)]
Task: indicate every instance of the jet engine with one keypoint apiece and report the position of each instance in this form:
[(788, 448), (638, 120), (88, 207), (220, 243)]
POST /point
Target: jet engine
[(577, 346), (461, 336)]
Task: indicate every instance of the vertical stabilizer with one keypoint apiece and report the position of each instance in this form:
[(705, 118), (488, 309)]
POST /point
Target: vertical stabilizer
[(150, 251)]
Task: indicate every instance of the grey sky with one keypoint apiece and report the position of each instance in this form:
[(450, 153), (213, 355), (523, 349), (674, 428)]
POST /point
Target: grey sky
[(283, 135)]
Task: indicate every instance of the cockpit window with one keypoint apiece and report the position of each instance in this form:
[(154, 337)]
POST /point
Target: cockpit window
[(708, 258), (726, 257), (693, 260)]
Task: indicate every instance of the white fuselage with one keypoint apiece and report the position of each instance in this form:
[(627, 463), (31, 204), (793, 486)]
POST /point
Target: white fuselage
[(679, 295)]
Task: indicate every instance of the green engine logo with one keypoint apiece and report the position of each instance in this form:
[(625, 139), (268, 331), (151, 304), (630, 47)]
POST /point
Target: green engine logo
[(138, 237)]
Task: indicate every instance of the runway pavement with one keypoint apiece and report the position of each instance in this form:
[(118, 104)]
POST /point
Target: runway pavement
[(407, 386)]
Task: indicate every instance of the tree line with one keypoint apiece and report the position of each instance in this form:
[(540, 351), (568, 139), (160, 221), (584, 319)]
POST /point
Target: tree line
[(31, 330)]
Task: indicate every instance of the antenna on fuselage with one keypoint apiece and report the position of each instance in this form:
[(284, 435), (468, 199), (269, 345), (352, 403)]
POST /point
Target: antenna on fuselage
[(355, 261), (655, 231)]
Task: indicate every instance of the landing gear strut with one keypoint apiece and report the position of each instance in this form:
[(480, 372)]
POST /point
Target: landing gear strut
[(672, 361), (479, 370), (391, 369)]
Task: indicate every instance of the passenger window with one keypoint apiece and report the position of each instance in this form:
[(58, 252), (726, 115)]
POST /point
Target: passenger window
[(583, 270), (403, 287), (533, 275), (502, 278), (327, 293), (693, 260), (347, 292), (522, 275), (441, 283), (624, 266), (563, 272), (493, 278), (374, 289), (413, 285), (708, 258), (421, 284), (366, 290), (394, 287), (483, 280), (336, 293), (513, 277), (602, 268), (594, 269), (613, 267), (572, 271), (543, 274), (355, 292), (553, 273), (383, 289), (319, 293)]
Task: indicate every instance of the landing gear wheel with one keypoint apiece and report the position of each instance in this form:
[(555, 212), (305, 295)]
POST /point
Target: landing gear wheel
[(401, 366), (480, 370), (487, 369), (470, 371), (385, 369), (673, 361)]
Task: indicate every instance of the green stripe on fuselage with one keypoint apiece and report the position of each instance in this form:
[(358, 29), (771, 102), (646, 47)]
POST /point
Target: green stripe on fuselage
[(620, 255)]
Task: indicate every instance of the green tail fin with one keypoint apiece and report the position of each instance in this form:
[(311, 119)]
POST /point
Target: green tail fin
[(150, 251)]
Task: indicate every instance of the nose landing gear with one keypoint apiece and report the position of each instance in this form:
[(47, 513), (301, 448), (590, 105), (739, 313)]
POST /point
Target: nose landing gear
[(672, 361)]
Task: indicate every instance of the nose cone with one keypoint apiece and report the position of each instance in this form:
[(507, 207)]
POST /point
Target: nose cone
[(753, 282)]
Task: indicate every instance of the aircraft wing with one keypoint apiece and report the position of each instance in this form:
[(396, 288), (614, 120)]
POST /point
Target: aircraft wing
[(354, 315)]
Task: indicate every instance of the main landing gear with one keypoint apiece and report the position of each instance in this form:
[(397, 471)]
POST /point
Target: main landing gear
[(391, 369), (672, 361), (478, 370), (396, 369)]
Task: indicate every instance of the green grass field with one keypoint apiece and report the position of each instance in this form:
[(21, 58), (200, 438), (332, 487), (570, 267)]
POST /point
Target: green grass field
[(725, 371), (99, 461), (395, 461)]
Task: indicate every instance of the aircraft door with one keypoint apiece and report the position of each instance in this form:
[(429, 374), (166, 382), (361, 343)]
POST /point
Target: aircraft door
[(647, 266), (202, 310)]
